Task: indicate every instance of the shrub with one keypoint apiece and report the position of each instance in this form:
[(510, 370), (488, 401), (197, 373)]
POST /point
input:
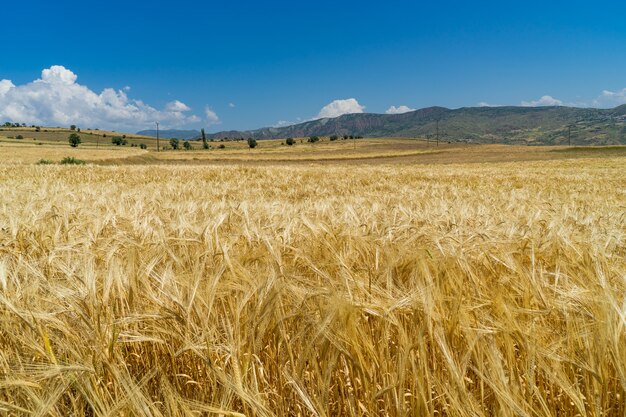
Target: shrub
[(19, 137), (334, 137), (252, 143), (143, 146), (187, 145), (70, 160), (313, 139), (74, 140), (174, 143), (290, 141), (222, 146), (116, 140), (45, 162)]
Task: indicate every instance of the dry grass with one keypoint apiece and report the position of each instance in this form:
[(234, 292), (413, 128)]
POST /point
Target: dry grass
[(30, 153), (461, 290)]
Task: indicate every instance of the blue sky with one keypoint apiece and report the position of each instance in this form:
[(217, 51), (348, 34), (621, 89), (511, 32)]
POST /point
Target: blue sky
[(255, 64)]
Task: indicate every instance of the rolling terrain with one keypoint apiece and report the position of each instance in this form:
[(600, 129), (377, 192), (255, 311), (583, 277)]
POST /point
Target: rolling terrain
[(509, 125)]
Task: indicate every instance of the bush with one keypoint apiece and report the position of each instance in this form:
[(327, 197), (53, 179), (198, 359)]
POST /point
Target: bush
[(222, 146), (252, 143), (117, 141), (313, 139), (187, 145), (290, 141), (45, 162), (74, 140), (174, 143), (143, 146), (334, 137), (19, 137), (70, 160)]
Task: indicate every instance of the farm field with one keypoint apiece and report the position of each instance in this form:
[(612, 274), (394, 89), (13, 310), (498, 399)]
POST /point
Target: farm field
[(369, 151), (376, 281)]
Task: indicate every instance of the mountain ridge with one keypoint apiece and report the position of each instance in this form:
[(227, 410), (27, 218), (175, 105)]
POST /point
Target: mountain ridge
[(550, 125)]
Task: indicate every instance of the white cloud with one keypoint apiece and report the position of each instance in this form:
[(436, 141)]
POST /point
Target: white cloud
[(5, 86), (340, 107), (399, 110), (58, 74), (543, 101), (231, 105), (177, 106), (607, 99), (485, 104), (211, 116), (56, 99)]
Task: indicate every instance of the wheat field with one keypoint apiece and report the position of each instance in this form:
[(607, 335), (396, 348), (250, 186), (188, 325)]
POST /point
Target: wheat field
[(457, 290)]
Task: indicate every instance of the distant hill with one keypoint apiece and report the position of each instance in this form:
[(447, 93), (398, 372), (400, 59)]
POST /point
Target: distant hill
[(172, 133), (515, 125)]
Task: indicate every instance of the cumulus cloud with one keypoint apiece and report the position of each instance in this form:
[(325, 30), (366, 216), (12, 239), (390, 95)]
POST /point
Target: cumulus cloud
[(231, 105), (177, 106), (543, 101), (56, 99), (485, 104), (5, 86), (607, 99), (211, 116), (340, 107), (399, 110)]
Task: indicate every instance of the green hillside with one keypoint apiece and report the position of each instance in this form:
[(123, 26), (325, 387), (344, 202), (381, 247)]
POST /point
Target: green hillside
[(515, 125)]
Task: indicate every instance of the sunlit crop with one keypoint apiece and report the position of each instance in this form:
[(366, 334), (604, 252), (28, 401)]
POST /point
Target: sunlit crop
[(452, 290)]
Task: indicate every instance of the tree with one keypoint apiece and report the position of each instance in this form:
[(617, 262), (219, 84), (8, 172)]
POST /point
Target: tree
[(290, 141), (73, 127), (74, 140), (143, 146), (186, 145), (313, 139), (174, 143), (117, 141), (334, 137), (252, 143), (205, 144)]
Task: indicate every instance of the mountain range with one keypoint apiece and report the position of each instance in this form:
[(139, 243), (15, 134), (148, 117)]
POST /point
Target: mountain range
[(515, 125)]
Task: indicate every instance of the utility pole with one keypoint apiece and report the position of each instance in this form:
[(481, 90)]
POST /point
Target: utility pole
[(569, 136), (437, 132), (157, 123)]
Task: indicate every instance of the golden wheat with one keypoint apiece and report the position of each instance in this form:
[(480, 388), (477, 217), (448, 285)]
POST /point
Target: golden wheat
[(463, 290)]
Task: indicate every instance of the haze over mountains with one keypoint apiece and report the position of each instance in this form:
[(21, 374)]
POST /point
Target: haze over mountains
[(516, 125)]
